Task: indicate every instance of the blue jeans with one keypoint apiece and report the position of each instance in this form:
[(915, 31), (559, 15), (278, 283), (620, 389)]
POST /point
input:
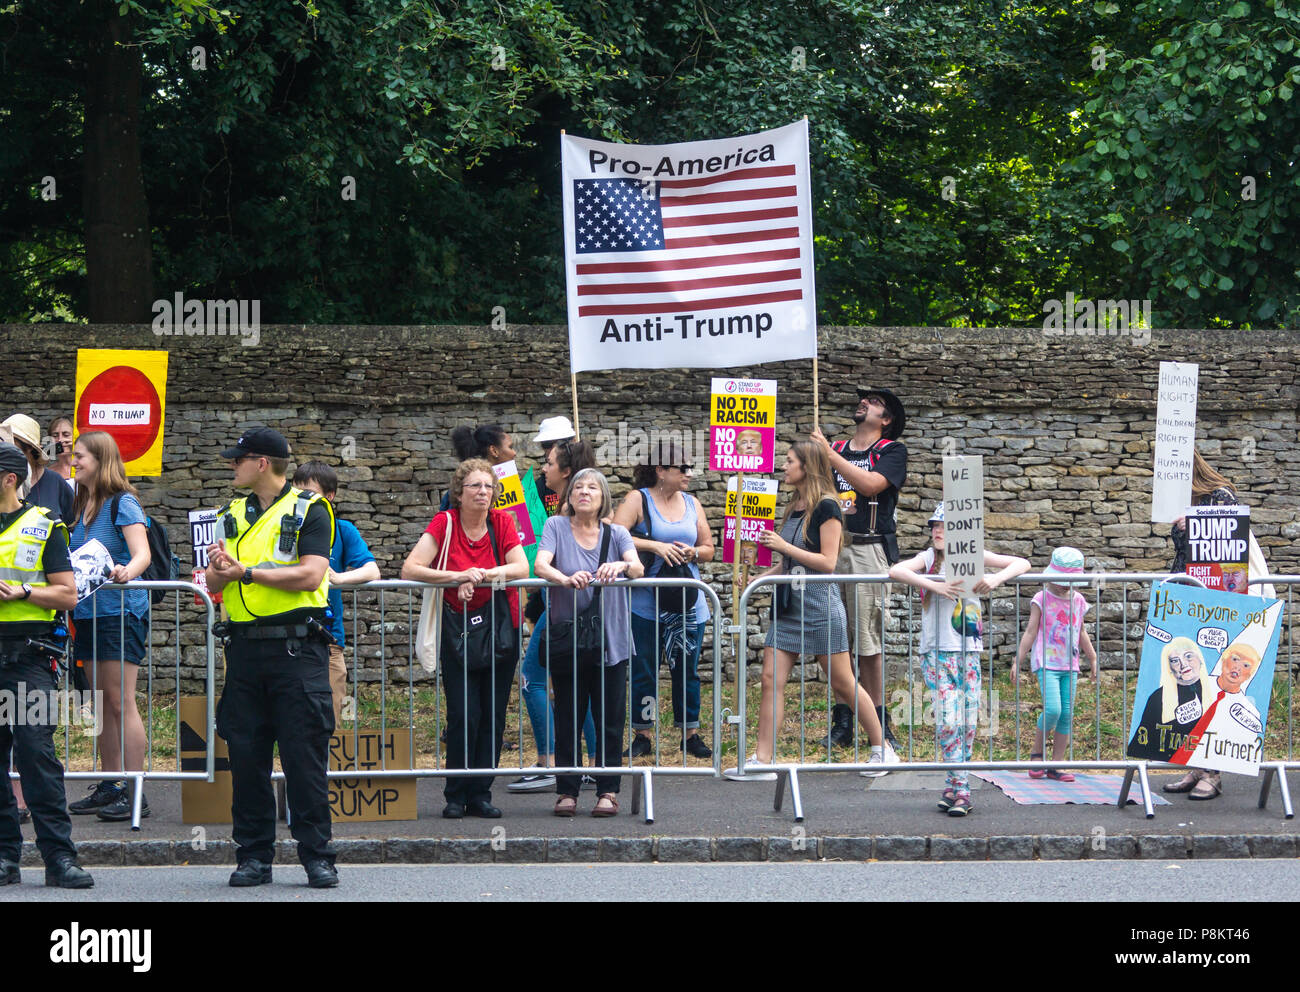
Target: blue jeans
[(532, 686), (647, 650)]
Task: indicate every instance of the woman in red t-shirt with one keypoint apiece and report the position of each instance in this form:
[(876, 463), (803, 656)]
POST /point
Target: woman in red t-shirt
[(476, 699)]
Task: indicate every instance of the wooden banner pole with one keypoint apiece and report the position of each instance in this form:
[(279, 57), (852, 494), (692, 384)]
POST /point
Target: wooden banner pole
[(817, 401), (573, 383), (738, 552)]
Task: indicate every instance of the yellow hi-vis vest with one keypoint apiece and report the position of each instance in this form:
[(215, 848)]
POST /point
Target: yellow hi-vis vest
[(22, 553), (257, 545)]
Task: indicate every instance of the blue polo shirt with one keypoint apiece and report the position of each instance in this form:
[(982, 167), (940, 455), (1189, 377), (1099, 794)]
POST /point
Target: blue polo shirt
[(349, 552)]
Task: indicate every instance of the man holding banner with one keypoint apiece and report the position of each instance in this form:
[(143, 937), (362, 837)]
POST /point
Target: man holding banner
[(869, 468)]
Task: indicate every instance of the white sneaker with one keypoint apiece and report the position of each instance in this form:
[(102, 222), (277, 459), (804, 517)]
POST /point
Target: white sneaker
[(877, 758), (733, 773), (891, 756)]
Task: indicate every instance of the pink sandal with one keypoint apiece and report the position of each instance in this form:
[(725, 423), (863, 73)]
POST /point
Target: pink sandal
[(1058, 776)]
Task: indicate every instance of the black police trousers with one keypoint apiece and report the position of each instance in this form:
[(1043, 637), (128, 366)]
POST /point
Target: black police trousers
[(28, 715), (274, 697)]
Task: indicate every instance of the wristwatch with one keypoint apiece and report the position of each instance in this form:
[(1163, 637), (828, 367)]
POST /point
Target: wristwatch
[(247, 578), (27, 591)]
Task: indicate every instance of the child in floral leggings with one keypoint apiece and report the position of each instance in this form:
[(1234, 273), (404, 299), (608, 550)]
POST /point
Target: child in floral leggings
[(951, 647)]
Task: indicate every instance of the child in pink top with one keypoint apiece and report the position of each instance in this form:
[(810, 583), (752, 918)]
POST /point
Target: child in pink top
[(1056, 634)]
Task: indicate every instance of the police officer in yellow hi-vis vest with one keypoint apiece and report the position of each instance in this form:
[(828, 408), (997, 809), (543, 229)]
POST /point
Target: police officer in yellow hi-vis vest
[(36, 581), (270, 562)]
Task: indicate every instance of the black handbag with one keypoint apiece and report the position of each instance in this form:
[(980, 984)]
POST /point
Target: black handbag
[(587, 629), (672, 600), (468, 638)]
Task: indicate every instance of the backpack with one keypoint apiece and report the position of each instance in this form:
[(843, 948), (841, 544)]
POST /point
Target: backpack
[(164, 566)]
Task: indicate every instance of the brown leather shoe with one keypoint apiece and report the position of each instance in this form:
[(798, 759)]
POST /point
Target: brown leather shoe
[(1186, 783), (1208, 787)]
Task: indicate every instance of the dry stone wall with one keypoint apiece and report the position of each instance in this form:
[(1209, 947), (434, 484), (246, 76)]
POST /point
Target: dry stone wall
[(1064, 424)]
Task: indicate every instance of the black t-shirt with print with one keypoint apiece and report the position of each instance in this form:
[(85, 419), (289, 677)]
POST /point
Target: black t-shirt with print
[(889, 458)]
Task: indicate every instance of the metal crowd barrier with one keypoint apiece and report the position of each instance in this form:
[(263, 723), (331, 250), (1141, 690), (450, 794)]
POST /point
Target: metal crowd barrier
[(150, 772), (404, 631), (1098, 582)]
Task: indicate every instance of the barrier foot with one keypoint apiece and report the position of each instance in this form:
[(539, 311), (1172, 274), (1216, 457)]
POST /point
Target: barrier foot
[(1265, 786), (1124, 789), (796, 799), (1146, 792), (137, 802), (779, 799), (646, 778), (1285, 789)]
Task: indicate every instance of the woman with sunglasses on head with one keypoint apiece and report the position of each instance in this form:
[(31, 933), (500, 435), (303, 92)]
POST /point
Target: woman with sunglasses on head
[(669, 526)]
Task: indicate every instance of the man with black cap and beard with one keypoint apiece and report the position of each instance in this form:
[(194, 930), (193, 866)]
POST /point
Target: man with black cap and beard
[(870, 468)]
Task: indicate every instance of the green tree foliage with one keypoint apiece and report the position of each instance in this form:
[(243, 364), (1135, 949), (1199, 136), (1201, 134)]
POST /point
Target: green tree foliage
[(1192, 157), (970, 161)]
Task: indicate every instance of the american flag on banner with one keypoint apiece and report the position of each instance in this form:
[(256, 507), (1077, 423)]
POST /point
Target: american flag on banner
[(697, 255)]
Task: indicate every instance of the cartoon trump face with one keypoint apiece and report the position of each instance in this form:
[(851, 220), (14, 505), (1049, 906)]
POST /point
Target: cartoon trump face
[(1235, 580), (1236, 666)]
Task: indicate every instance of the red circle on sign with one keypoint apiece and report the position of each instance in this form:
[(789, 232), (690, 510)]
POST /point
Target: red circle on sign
[(116, 395)]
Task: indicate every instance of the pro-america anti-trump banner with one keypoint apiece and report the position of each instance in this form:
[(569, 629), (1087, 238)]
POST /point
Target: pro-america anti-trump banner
[(694, 255)]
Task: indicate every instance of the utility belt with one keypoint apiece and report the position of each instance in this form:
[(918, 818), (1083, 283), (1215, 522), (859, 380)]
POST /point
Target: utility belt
[(291, 635), (17, 648)]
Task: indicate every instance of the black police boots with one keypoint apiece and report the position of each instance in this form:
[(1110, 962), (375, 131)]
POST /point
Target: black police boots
[(321, 874), (250, 872), (65, 873)]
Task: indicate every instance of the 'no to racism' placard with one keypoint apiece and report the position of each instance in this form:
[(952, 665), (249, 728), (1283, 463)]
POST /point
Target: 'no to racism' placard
[(758, 513), (512, 501), (694, 255), (742, 425)]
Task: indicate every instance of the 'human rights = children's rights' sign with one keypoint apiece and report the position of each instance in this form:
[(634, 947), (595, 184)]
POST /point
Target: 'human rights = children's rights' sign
[(742, 425), (1171, 488), (963, 520)]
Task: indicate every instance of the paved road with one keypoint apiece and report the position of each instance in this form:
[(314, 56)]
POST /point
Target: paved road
[(1120, 881)]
